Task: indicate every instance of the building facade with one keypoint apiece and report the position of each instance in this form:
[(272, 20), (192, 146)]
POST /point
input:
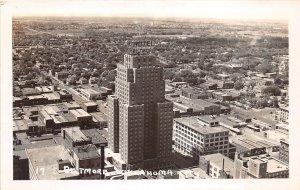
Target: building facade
[(196, 136), (144, 116)]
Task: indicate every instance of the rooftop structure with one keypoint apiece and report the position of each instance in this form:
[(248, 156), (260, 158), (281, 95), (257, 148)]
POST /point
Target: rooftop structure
[(86, 152), (217, 165)]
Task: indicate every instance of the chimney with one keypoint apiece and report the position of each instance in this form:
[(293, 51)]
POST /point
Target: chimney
[(102, 162), (223, 164)]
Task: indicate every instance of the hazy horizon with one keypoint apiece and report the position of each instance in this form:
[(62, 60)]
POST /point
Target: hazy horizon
[(190, 9)]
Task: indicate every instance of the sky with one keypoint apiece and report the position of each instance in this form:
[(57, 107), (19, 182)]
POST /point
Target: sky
[(234, 9)]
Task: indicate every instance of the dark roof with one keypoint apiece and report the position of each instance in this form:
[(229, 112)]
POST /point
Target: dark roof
[(86, 152), (95, 134)]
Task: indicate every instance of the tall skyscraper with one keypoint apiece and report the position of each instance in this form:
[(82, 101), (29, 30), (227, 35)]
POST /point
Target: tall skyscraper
[(140, 119)]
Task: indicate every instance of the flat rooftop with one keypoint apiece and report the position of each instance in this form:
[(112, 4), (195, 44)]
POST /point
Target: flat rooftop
[(46, 158), (20, 153), (96, 135), (71, 105), (273, 165), (196, 104), (44, 89), (90, 104), (20, 125), (89, 91), (193, 173), (193, 123), (51, 96), (34, 97), (79, 113), (75, 133), (99, 116)]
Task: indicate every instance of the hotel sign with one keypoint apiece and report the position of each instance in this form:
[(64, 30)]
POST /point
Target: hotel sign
[(141, 47)]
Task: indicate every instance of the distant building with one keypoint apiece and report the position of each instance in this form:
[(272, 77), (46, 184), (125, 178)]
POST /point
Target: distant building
[(84, 119), (83, 80), (261, 166), (90, 107), (282, 114), (61, 75), (108, 91), (64, 95), (30, 91), (253, 146), (45, 89), (284, 151), (209, 86), (92, 80), (217, 166), (223, 97), (193, 93), (91, 94), (224, 84), (277, 134), (189, 107)]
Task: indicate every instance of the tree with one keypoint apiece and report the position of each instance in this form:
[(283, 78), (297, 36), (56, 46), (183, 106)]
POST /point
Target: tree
[(168, 74), (238, 85), (177, 78), (200, 81), (236, 77), (272, 90), (252, 84), (202, 74), (268, 83), (264, 68)]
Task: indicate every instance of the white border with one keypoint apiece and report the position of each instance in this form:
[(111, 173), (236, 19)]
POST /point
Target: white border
[(6, 129)]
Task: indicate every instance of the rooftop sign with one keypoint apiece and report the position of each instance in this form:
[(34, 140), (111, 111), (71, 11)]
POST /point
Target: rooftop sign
[(140, 47)]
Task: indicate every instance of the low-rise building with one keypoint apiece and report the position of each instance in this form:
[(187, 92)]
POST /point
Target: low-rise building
[(189, 107), (64, 95), (217, 166), (90, 107), (254, 145), (193, 93), (209, 86), (87, 157), (261, 166), (92, 80), (91, 94), (84, 119), (61, 75), (83, 80), (284, 151), (282, 114)]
